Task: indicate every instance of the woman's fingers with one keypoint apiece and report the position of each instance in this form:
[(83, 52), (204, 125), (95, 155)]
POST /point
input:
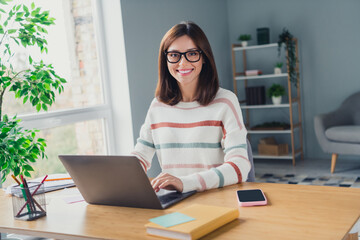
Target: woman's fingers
[(157, 181), (167, 181)]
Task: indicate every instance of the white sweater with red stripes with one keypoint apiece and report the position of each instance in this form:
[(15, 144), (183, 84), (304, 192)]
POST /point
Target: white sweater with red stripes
[(204, 146)]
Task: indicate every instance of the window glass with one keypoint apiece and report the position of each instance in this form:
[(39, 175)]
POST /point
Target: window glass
[(79, 138), (73, 53)]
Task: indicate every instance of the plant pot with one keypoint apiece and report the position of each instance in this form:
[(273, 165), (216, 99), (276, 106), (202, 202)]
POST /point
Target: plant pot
[(244, 43), (276, 100), (277, 70)]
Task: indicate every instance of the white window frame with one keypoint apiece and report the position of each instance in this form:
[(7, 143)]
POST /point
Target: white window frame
[(112, 64)]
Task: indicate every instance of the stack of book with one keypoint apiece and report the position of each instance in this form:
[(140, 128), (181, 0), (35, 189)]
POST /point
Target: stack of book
[(203, 219)]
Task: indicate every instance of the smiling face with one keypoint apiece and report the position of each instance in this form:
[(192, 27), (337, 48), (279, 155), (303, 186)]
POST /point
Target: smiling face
[(186, 73)]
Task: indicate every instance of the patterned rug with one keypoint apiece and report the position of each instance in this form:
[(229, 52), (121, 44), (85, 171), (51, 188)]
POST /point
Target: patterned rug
[(335, 181)]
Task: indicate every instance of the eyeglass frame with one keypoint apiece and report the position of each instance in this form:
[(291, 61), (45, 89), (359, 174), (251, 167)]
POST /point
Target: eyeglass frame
[(183, 54)]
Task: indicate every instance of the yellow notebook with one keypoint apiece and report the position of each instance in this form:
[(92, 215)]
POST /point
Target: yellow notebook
[(207, 219)]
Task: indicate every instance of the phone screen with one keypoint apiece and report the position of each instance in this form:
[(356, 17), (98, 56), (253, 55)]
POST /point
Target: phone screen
[(250, 195)]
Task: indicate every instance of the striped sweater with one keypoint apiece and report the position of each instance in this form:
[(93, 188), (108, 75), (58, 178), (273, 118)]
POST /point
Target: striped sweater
[(204, 146)]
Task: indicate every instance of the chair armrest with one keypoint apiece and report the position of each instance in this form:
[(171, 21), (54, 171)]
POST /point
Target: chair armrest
[(327, 120), (336, 118)]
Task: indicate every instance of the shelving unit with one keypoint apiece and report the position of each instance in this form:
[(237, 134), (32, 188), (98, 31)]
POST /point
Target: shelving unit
[(295, 127)]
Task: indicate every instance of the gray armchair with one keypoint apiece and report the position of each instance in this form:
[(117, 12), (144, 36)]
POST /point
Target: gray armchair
[(338, 132)]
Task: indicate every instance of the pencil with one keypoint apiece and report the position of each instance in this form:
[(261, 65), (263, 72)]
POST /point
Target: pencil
[(17, 181), (57, 179)]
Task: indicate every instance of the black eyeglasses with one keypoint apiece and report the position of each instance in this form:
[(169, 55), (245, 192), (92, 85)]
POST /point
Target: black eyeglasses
[(190, 56)]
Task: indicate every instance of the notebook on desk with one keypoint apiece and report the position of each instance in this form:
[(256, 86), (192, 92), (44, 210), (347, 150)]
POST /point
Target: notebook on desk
[(116, 181)]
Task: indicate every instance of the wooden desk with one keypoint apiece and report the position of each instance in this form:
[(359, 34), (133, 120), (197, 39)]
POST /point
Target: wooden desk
[(294, 212)]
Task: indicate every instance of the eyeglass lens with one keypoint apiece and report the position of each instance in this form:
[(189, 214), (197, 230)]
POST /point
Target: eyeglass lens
[(191, 56)]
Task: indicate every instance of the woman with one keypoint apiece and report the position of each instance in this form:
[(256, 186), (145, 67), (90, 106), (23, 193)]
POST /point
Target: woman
[(195, 127)]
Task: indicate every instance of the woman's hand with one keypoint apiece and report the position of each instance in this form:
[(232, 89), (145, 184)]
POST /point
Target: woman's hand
[(168, 182)]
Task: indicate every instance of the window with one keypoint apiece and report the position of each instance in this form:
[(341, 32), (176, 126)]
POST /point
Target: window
[(80, 120)]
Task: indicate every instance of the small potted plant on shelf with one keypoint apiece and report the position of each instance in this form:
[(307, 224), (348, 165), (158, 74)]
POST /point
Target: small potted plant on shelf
[(244, 38), (276, 91), (278, 66)]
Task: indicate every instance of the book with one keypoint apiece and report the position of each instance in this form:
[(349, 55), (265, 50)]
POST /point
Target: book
[(207, 219)]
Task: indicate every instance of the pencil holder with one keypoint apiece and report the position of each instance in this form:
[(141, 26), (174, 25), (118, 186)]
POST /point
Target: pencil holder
[(29, 202)]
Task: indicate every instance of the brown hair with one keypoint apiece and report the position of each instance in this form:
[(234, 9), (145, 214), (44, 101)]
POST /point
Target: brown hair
[(168, 90)]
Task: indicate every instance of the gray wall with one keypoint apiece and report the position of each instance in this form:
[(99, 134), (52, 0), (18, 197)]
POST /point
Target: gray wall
[(328, 33), (145, 23), (329, 37)]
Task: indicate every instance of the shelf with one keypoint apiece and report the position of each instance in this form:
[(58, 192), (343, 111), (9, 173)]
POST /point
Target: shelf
[(289, 156), (255, 47), (269, 131), (295, 129), (261, 76), (284, 105)]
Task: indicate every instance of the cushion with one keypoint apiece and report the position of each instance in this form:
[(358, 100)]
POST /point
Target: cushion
[(349, 134)]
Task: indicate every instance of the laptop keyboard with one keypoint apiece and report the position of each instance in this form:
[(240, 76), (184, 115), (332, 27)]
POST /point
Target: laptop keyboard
[(169, 197)]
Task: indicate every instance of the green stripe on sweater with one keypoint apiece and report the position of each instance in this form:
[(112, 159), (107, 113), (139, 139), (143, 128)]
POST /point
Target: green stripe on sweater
[(221, 177), (148, 144), (236, 146)]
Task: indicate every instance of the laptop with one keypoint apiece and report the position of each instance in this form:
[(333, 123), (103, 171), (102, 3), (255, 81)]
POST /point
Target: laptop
[(117, 181)]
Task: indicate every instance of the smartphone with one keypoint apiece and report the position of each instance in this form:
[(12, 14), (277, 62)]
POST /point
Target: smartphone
[(251, 197)]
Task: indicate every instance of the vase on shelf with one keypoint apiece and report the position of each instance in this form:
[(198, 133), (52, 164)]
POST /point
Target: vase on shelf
[(244, 43), (276, 100), (277, 70)]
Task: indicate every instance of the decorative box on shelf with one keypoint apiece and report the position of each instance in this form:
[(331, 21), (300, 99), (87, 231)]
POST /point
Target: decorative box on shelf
[(269, 146)]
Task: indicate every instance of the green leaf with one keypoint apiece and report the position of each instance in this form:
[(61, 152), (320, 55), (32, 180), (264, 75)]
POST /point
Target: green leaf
[(25, 99), (19, 14), (26, 173), (5, 129), (30, 59), (25, 8), (16, 171), (45, 99), (22, 152), (35, 101), (38, 107), (44, 107), (17, 95), (28, 168), (10, 31), (32, 5), (5, 165)]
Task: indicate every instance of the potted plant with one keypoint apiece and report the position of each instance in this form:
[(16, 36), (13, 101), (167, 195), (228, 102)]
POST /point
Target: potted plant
[(276, 91), (278, 66), (24, 26), (244, 38), (287, 38)]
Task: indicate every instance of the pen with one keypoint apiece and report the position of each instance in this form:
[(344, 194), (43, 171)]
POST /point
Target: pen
[(27, 191), (25, 197)]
